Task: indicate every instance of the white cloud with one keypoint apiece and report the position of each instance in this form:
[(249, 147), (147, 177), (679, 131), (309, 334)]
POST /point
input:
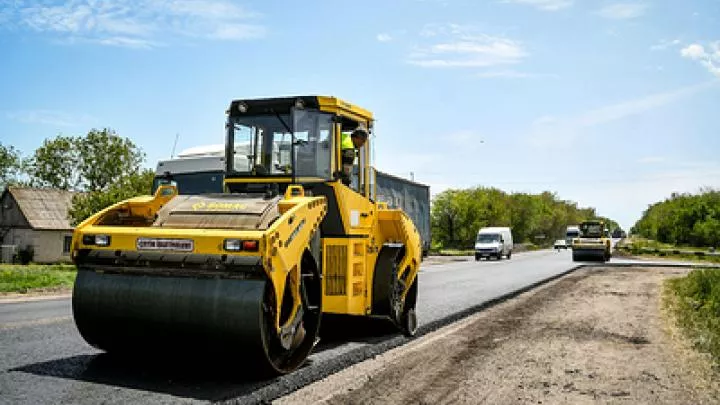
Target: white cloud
[(664, 44), (693, 51), (550, 131), (545, 120), (128, 42), (636, 106), (236, 32), (134, 23), (384, 37), (621, 11), (464, 46), (511, 74), (651, 159), (53, 118), (547, 5), (710, 59)]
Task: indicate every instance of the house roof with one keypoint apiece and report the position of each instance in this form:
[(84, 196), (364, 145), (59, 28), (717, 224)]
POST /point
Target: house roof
[(44, 208)]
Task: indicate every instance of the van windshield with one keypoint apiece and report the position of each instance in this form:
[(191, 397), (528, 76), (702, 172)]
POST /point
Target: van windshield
[(488, 238)]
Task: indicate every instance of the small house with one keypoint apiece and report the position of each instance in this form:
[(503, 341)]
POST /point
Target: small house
[(36, 220)]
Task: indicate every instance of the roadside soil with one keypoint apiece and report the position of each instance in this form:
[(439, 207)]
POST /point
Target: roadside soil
[(36, 294), (667, 258), (598, 335), (434, 260)]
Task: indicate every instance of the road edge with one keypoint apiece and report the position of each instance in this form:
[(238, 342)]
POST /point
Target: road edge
[(301, 378), (305, 376), (10, 299)]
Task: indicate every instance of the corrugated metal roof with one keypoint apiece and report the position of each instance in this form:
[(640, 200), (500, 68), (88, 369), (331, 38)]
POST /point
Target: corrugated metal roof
[(44, 208)]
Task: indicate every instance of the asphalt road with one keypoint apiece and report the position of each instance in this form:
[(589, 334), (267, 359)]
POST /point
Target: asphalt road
[(45, 360), (41, 311)]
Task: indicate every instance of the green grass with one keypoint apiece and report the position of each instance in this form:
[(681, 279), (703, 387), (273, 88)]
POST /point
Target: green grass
[(683, 257), (452, 252), (519, 247), (637, 247), (23, 279), (637, 243), (695, 301)]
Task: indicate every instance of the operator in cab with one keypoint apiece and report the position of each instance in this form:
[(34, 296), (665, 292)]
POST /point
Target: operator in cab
[(350, 143)]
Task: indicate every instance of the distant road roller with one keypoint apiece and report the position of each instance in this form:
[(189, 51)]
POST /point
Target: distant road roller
[(592, 243), (247, 274)]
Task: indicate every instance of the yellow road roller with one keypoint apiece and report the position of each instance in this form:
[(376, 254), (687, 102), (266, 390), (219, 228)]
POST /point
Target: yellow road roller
[(247, 274), (593, 242)]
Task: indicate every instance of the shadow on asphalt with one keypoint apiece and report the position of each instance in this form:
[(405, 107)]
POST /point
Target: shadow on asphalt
[(198, 379)]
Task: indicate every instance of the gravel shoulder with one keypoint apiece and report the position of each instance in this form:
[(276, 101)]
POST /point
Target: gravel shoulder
[(36, 295), (598, 335)]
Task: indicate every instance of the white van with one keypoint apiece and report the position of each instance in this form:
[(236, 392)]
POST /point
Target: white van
[(572, 232), (493, 242)]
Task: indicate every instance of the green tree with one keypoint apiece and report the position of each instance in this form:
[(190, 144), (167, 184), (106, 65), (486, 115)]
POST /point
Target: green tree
[(683, 219), (11, 165), (106, 157), (54, 164), (445, 218), (525, 215), (86, 204), (104, 166), (457, 215), (89, 163)]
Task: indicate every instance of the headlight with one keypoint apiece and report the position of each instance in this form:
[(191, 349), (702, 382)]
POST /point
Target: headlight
[(97, 240), (238, 245), (102, 240), (232, 245)]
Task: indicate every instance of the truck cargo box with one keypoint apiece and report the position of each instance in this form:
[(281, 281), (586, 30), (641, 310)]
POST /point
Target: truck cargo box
[(411, 197)]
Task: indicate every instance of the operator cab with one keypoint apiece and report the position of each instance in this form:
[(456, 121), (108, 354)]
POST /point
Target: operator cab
[(592, 229), (272, 143)]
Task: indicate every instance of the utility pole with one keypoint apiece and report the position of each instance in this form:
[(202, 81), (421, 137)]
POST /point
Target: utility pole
[(172, 153)]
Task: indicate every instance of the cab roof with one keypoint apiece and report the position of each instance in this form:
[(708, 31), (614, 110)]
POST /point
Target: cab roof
[(283, 105)]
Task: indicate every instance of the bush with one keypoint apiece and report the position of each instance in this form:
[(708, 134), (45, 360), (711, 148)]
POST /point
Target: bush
[(24, 256), (683, 219), (697, 306)]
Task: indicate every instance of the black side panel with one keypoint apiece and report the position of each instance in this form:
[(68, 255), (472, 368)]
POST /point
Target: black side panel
[(279, 105), (332, 225)]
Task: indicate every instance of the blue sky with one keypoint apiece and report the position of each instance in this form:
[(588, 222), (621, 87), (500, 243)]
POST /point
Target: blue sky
[(614, 104)]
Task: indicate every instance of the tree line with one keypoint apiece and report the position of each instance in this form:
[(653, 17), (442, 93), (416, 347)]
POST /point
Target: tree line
[(101, 166), (683, 219), (457, 215), (106, 168)]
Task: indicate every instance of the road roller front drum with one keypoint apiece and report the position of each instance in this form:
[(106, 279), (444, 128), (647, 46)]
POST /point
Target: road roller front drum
[(225, 319)]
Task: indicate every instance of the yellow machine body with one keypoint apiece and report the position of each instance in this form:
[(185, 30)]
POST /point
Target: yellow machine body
[(249, 271), (593, 243)]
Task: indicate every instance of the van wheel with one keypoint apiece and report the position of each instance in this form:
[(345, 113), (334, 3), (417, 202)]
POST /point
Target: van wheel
[(499, 256), (477, 258), (509, 254)]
